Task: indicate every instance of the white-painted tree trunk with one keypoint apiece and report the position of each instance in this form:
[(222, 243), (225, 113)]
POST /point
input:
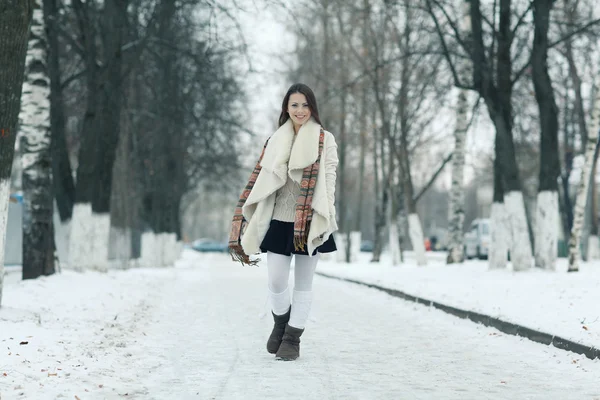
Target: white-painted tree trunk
[(120, 246), (500, 237), (89, 237), (520, 246), (4, 197), (167, 245), (81, 237), (62, 232), (394, 243), (100, 243), (340, 242), (546, 227), (355, 240), (581, 199), (593, 248), (415, 232), (152, 249)]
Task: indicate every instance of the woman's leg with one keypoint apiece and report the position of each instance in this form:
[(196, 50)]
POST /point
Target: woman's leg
[(278, 267), (304, 272)]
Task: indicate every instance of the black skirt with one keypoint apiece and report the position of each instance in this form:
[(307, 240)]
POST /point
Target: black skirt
[(280, 239)]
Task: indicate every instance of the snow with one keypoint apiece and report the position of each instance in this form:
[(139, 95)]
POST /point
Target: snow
[(192, 332), (557, 303)]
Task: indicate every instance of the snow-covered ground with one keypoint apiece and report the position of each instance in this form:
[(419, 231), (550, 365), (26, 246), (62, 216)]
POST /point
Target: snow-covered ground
[(194, 332), (558, 303)]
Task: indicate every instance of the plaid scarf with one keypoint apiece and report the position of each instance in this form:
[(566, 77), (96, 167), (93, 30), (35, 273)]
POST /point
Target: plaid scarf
[(304, 210)]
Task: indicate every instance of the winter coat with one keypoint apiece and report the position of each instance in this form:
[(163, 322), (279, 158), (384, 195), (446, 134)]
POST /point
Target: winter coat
[(280, 160)]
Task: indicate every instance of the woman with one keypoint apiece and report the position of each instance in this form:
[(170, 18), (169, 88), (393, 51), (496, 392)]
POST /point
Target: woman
[(287, 209)]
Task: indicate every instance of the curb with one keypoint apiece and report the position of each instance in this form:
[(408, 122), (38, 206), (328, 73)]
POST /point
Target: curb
[(503, 326)]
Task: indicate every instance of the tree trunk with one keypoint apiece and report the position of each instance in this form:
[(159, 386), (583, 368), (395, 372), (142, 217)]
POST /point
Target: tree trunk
[(547, 201), (38, 227), (100, 139), (363, 156), (456, 206), (82, 231), (500, 232), (580, 201), (15, 17), (122, 201), (341, 199), (393, 240), (62, 176), (381, 192), (498, 98), (565, 195)]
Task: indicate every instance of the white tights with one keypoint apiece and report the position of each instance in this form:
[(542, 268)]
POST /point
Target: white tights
[(278, 267)]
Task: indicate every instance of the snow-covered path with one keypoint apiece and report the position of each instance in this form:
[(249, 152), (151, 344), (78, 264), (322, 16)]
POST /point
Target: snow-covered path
[(194, 332)]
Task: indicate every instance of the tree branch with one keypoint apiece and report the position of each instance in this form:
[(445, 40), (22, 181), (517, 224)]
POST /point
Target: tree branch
[(433, 178), (446, 52), (520, 20), (73, 78)]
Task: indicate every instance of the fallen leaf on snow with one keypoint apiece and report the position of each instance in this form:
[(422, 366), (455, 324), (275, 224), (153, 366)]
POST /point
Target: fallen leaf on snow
[(52, 374), (5, 374), (77, 398), (503, 382), (585, 327)]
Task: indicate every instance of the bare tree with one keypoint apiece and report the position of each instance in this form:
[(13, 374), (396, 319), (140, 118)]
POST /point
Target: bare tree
[(456, 208), (592, 143), (547, 202), (38, 228), (62, 177), (15, 18)]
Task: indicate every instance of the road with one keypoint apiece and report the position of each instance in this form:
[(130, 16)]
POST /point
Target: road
[(359, 344)]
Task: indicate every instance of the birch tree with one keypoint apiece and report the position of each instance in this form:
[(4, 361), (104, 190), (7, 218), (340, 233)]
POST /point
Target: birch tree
[(15, 18), (38, 228), (493, 79), (581, 199), (456, 208)]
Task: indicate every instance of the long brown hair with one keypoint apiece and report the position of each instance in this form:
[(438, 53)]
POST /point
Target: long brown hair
[(310, 99)]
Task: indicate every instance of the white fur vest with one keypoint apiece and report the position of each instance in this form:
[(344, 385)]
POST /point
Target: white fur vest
[(278, 162)]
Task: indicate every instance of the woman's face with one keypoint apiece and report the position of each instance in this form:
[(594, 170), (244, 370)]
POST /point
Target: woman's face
[(298, 109)]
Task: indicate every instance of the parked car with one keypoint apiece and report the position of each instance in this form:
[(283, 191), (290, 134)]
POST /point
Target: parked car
[(209, 245), (477, 239), (366, 246)]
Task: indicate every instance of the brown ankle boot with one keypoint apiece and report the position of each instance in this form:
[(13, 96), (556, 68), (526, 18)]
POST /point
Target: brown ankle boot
[(278, 331), (290, 345)]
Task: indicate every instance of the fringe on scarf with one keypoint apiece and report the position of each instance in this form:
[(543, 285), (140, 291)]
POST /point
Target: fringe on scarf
[(237, 254)]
